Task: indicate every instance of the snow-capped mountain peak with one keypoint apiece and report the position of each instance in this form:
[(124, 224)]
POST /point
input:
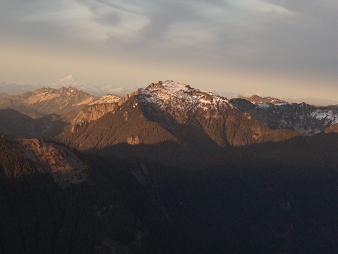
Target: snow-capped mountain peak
[(180, 95), (68, 81), (181, 101)]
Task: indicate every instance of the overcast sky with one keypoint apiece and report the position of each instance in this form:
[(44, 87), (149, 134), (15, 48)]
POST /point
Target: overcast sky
[(270, 47)]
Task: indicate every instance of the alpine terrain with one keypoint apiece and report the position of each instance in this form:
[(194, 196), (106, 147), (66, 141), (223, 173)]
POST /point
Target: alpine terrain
[(166, 169)]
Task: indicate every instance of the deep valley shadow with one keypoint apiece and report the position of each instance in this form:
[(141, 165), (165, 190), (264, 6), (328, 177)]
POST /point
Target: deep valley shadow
[(167, 198)]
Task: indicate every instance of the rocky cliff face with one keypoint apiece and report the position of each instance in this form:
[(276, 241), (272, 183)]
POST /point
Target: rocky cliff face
[(24, 157), (91, 113)]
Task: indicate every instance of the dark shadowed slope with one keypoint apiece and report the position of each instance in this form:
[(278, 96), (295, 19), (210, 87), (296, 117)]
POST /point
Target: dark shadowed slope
[(55, 201), (264, 198), (20, 125)]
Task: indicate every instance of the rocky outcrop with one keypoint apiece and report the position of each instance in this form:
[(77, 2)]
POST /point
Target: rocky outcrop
[(56, 160), (91, 113), (25, 157)]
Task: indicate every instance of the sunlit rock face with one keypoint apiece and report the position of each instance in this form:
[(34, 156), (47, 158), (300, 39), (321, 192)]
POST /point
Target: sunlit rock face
[(24, 157)]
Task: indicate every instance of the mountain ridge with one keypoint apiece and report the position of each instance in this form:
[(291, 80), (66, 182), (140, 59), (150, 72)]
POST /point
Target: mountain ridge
[(183, 104), (171, 169), (190, 115)]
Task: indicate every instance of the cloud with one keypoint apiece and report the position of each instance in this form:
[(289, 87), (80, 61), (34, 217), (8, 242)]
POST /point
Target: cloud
[(264, 36), (263, 7)]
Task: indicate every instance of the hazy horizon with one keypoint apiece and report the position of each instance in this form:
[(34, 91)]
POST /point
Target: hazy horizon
[(268, 47), (99, 90)]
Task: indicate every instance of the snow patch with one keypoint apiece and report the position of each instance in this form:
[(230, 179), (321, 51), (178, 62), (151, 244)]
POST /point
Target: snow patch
[(263, 105), (329, 116), (179, 98)]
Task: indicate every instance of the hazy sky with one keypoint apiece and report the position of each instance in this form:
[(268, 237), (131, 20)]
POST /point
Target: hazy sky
[(270, 47)]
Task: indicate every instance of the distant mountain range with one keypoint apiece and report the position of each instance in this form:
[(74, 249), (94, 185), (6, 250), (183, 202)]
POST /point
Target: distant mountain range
[(175, 111), (103, 89), (53, 101), (67, 81)]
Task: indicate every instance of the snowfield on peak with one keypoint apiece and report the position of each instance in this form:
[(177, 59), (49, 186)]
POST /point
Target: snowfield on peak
[(178, 95), (329, 116)]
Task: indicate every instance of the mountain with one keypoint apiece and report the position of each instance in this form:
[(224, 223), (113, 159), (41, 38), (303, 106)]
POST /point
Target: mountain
[(47, 101), (46, 112), (312, 101), (94, 89), (105, 99), (64, 101), (256, 99), (304, 118), (91, 113), (57, 101), (182, 114), (171, 169), (264, 198), (30, 156), (54, 200), (17, 124), (79, 108), (174, 112)]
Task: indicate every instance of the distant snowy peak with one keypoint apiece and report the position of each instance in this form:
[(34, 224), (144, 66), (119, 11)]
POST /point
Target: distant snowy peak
[(181, 96), (67, 81), (258, 100)]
